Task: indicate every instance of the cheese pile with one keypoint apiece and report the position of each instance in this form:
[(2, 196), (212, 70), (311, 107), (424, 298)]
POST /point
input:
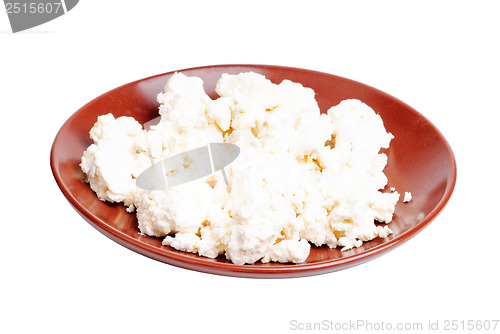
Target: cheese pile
[(301, 177)]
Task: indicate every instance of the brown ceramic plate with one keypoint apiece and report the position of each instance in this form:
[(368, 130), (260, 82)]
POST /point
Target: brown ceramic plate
[(420, 161)]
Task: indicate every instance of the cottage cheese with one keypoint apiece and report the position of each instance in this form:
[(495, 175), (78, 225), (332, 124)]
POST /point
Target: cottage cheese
[(301, 178), (407, 198)]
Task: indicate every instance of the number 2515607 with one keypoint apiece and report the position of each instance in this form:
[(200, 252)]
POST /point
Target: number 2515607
[(33, 7)]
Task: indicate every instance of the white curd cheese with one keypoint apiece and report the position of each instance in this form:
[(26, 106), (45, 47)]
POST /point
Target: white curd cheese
[(407, 197), (301, 178)]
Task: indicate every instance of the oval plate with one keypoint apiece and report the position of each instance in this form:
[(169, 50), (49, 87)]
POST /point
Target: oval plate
[(420, 161)]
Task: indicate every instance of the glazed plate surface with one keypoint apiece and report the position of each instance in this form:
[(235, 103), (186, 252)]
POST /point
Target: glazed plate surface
[(419, 160)]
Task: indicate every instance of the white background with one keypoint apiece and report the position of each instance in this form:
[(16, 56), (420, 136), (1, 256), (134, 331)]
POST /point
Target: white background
[(59, 275)]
